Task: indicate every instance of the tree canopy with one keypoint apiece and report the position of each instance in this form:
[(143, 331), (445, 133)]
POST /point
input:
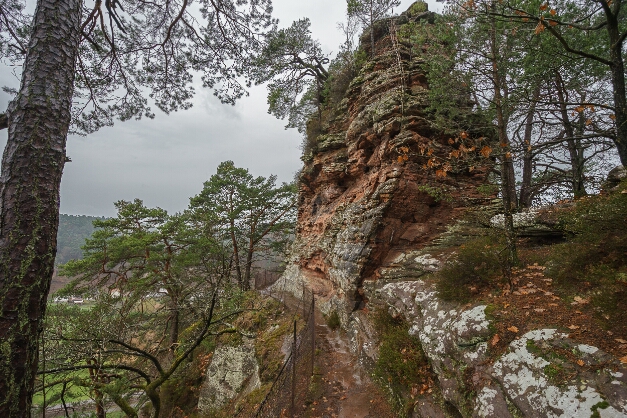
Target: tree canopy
[(85, 65), (295, 67), (253, 213)]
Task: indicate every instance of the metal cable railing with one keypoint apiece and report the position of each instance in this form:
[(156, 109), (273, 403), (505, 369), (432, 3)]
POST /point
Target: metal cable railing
[(289, 390)]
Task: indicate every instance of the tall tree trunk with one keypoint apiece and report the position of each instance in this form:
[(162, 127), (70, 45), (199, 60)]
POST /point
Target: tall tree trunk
[(32, 165), (507, 166), (372, 46), (526, 188), (617, 70), (575, 149), (249, 265), (238, 267)]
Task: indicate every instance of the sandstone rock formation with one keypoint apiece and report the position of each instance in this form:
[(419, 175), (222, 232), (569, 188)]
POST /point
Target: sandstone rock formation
[(383, 201), (381, 178), (520, 382)]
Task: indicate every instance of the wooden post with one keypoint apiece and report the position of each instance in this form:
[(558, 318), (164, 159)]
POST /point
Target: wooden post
[(313, 332), (293, 405)]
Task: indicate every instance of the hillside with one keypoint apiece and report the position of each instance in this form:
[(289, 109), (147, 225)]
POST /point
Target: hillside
[(73, 229)]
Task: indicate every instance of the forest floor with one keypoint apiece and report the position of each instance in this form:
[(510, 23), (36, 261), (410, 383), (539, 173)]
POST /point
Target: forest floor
[(535, 302)]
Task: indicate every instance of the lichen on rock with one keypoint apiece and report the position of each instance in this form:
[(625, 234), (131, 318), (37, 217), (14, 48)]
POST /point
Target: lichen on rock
[(233, 373)]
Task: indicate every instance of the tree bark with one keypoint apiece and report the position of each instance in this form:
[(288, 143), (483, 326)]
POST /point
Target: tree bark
[(32, 165), (526, 188), (617, 70), (507, 168), (249, 263), (575, 149)]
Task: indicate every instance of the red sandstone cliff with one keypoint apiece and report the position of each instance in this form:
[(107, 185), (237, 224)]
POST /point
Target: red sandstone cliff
[(382, 179)]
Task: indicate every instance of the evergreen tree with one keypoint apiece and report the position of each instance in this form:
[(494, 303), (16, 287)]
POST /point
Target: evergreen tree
[(83, 67), (368, 12), (255, 215), (149, 277), (296, 68)]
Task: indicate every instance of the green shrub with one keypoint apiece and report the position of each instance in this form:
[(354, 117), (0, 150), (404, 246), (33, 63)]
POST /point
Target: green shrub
[(401, 364), (594, 259), (478, 264), (333, 320), (597, 244)]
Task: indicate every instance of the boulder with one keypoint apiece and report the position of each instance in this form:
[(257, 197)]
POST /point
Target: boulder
[(232, 374)]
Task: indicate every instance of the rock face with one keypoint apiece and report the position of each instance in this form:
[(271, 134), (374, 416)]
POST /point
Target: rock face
[(381, 178), (521, 382), (386, 195), (233, 373)]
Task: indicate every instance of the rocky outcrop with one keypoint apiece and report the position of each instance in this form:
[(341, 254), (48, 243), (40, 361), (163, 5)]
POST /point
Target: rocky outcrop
[(382, 177), (533, 378), (614, 177), (233, 373), (387, 195)]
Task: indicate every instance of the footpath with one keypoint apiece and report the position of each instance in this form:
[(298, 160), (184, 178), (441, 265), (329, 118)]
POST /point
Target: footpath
[(341, 387)]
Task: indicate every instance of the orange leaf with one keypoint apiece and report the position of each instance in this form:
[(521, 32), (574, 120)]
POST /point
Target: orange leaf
[(553, 12), (463, 135), (525, 19), (581, 363), (544, 6), (623, 360), (539, 28), (430, 151), (588, 122), (580, 109), (552, 22), (450, 141), (508, 155), (440, 173), (513, 329), (613, 117), (486, 151), (495, 340)]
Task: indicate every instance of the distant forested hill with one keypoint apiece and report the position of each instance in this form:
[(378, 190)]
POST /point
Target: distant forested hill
[(73, 229)]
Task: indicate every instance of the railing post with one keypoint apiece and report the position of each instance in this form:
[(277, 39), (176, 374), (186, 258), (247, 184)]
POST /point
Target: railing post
[(312, 320), (293, 405)]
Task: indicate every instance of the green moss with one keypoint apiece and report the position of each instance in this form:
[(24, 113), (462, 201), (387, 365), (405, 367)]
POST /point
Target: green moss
[(401, 364), (553, 372), (478, 264), (595, 409), (438, 193), (487, 189)]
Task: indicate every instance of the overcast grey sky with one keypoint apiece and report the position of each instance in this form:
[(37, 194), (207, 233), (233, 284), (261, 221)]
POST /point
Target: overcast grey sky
[(165, 161)]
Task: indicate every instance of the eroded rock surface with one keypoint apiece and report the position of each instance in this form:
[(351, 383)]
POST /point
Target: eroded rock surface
[(381, 178), (233, 373), (543, 373), (386, 196)]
